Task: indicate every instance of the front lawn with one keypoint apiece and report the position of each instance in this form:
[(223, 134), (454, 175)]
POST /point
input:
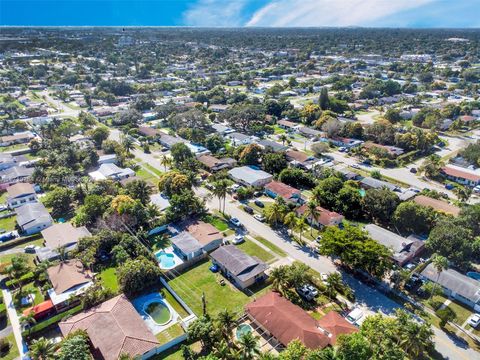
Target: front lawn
[(29, 288), (8, 223), (145, 175), (271, 246), (219, 223), (108, 278), (191, 284), (462, 312), (252, 249)]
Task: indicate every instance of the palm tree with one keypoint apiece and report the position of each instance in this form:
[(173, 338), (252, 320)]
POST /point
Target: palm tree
[(312, 213), (440, 263), (248, 346), (300, 227), (290, 220), (42, 349), (226, 322), (274, 213), (165, 161), (219, 190), (283, 138), (278, 276), (432, 166), (127, 144), (463, 193), (27, 321), (224, 351), (333, 283)]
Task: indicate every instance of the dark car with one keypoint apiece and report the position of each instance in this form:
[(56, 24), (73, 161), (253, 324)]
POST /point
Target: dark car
[(259, 203), (248, 209), (413, 170)]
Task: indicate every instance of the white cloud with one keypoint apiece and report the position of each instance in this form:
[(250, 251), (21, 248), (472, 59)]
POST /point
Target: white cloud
[(329, 12), (215, 13)]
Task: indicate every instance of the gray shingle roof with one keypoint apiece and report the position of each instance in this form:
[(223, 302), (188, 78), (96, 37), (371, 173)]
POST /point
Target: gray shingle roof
[(237, 262), (377, 184), (387, 238), (454, 281), (31, 214), (186, 243)]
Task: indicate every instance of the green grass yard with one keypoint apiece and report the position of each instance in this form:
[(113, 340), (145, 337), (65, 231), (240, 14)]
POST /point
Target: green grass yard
[(145, 175), (13, 147), (108, 277), (252, 249), (219, 223), (170, 333), (13, 353), (271, 246), (191, 284), (30, 288), (8, 224)]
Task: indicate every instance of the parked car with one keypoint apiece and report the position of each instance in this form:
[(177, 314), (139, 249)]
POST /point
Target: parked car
[(343, 149), (259, 203), (248, 209), (308, 292), (235, 222), (476, 189), (415, 190), (449, 186), (259, 217), (356, 166), (354, 316), (474, 320), (238, 239), (8, 236), (324, 277), (31, 249), (257, 193), (235, 187), (413, 170)]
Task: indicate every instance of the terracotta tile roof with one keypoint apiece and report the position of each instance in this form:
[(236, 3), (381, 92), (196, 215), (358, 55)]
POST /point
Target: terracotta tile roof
[(325, 218), (336, 325), (297, 155), (438, 205), (286, 321), (287, 123), (460, 174), (40, 308), (68, 274), (203, 232), (283, 190), (148, 131), (114, 327)]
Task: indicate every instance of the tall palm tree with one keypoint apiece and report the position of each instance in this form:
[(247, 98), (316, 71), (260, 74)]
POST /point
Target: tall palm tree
[(312, 213), (127, 144), (165, 161), (283, 138), (226, 322), (432, 165), (440, 263), (274, 214), (249, 348), (300, 227), (290, 220), (220, 189), (278, 276), (223, 351), (42, 349), (333, 283)]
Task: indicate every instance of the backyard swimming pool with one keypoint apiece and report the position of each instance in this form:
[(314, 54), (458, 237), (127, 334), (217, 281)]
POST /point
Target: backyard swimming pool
[(158, 311), (242, 329), (166, 260)]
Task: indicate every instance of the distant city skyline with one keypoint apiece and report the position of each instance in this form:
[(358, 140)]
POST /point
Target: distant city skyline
[(240, 13)]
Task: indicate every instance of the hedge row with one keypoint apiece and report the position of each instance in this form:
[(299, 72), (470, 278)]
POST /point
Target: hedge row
[(25, 279)]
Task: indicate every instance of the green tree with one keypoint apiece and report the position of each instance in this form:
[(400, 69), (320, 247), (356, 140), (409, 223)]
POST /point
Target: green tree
[(99, 135), (380, 204), (74, 348), (42, 349), (326, 192), (323, 100), (290, 221), (251, 155), (60, 199), (138, 274), (432, 166), (312, 213), (173, 182), (440, 263), (409, 217), (203, 330), (249, 348), (140, 190), (274, 163), (180, 154), (220, 190)]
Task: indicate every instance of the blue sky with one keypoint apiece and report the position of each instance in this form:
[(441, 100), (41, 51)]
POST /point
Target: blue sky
[(373, 13)]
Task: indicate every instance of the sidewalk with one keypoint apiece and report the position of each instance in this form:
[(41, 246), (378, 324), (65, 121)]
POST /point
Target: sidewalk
[(15, 323)]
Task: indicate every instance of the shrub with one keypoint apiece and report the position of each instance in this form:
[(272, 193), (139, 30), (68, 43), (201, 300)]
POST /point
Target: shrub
[(446, 314), (5, 346)]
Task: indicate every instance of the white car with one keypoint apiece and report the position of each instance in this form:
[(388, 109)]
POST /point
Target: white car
[(354, 316), (476, 189), (356, 166), (324, 277), (31, 249), (474, 320), (238, 239), (259, 217), (235, 222)]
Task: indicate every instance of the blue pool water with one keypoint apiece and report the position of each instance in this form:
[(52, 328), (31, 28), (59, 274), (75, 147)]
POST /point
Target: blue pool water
[(243, 329), (474, 275), (166, 260)]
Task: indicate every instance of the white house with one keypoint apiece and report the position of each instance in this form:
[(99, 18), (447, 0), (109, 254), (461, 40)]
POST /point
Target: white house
[(33, 218), (111, 171), (250, 176), (20, 194)]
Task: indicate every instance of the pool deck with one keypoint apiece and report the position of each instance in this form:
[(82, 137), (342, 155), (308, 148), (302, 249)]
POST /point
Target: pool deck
[(139, 304), (176, 259)]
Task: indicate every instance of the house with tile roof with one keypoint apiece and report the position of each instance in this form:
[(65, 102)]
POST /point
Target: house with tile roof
[(287, 192)]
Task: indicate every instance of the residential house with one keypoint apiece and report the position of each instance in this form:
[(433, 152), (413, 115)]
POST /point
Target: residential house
[(107, 159), (287, 192), (222, 129), (325, 217), (63, 235), (111, 171), (197, 150), (455, 285), (212, 164), (160, 201), (250, 176), (467, 119), (272, 145), (33, 218), (346, 142), (311, 133), (289, 125), (41, 311), (148, 131), (7, 161), (114, 328), (404, 249), (69, 280), (20, 194), (196, 239), (81, 140), (391, 151), (218, 108), (441, 206), (240, 268), (239, 139), (371, 183), (300, 159), (284, 322), (462, 175), (17, 138), (168, 141), (14, 175)]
